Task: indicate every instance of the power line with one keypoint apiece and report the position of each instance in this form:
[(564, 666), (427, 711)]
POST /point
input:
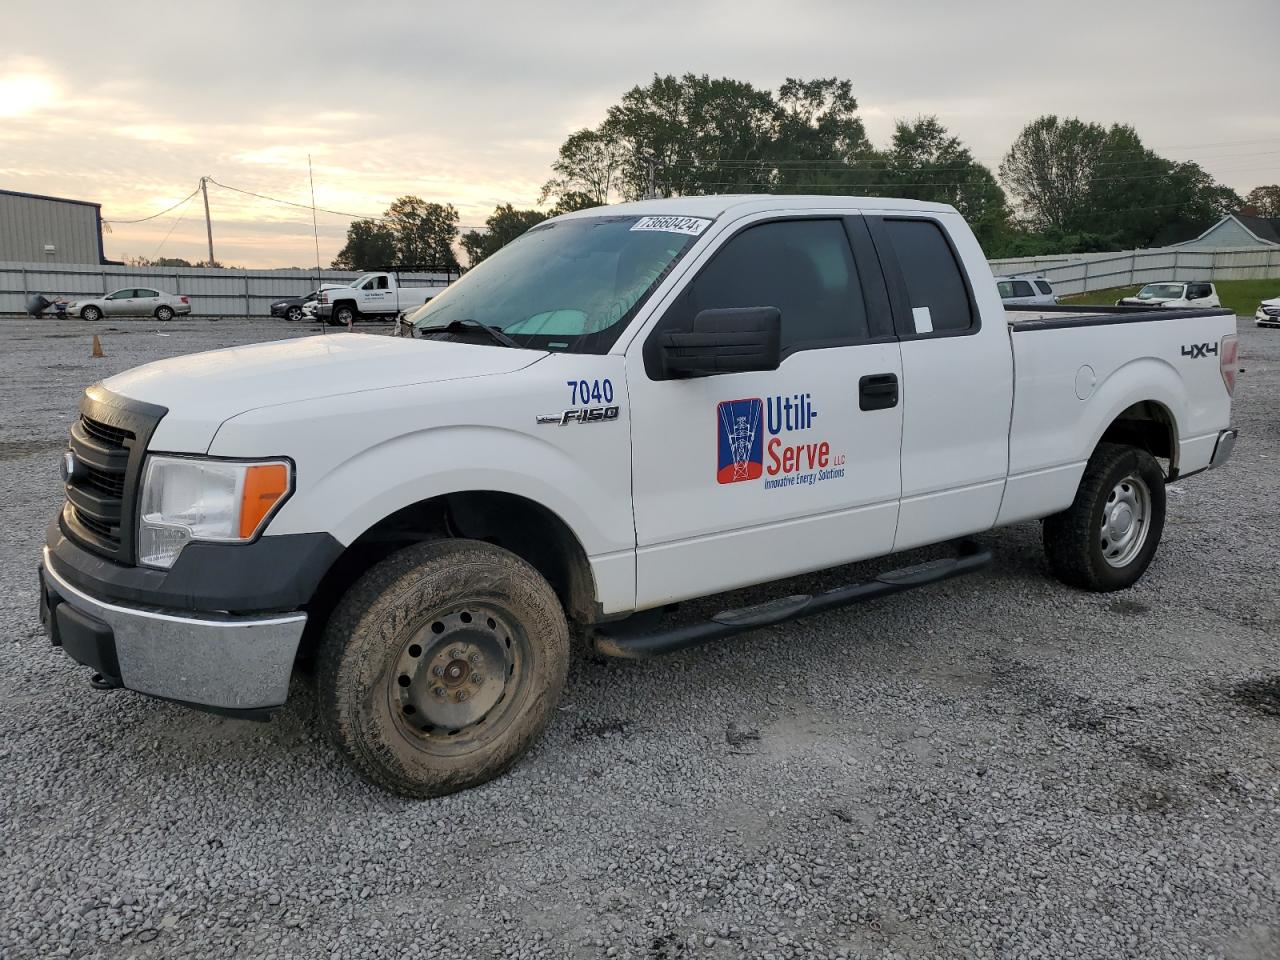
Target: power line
[(161, 213), (182, 214), (307, 206)]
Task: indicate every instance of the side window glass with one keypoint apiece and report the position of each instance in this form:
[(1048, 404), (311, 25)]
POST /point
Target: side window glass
[(380, 283), (1044, 287), (1006, 289), (146, 293), (1021, 288), (931, 273), (805, 268)]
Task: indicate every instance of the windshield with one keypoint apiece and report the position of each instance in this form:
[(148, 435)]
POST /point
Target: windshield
[(360, 281), (1160, 291), (572, 285)]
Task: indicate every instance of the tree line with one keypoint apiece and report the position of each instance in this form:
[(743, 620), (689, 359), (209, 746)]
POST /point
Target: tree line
[(1065, 185)]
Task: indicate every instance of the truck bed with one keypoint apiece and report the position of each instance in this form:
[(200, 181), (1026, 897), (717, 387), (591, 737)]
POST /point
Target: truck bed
[(1085, 368)]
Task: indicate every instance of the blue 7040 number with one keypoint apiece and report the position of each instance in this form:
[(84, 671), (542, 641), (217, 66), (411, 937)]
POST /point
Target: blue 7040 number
[(590, 391)]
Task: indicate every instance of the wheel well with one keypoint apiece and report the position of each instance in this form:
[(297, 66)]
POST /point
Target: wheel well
[(1149, 426), (526, 528)]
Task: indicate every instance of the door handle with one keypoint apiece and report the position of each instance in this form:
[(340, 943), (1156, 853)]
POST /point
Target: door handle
[(878, 391)]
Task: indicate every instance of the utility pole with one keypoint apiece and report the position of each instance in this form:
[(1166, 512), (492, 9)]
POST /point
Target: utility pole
[(653, 176), (208, 223)]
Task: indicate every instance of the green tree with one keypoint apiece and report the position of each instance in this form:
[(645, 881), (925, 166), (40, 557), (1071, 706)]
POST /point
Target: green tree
[(701, 136), (424, 232), (505, 224), (925, 162), (1266, 200), (371, 245), (1083, 180), (818, 138), (586, 169)]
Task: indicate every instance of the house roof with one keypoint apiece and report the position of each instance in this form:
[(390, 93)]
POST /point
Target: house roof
[(1264, 228)]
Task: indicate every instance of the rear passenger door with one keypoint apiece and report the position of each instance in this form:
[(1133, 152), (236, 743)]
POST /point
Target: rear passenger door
[(957, 374), (144, 302), (747, 477)]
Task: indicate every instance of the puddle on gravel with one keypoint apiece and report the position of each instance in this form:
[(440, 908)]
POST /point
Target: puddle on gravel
[(1262, 694), (17, 449)]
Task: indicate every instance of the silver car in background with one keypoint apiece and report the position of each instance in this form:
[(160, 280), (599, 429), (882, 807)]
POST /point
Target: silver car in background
[(131, 302), (1025, 290)]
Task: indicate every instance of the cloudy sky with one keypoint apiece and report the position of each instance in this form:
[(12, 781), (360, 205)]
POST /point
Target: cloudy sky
[(128, 104)]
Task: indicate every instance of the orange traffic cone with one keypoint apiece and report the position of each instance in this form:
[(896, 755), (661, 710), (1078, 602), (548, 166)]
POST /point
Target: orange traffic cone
[(97, 347)]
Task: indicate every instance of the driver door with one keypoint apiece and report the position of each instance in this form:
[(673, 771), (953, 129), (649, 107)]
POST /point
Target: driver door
[(742, 478), (118, 304)]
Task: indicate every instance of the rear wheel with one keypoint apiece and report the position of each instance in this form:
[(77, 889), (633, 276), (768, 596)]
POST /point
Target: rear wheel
[(91, 314), (164, 314), (441, 666), (1105, 540)]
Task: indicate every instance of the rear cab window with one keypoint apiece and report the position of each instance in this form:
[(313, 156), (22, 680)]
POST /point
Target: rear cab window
[(935, 283)]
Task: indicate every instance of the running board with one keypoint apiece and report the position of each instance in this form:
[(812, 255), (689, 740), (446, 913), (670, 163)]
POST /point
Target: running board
[(631, 640)]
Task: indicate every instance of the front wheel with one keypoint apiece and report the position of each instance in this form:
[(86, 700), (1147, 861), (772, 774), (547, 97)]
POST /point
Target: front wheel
[(342, 316), (441, 666), (293, 314), (91, 314), (1105, 540)]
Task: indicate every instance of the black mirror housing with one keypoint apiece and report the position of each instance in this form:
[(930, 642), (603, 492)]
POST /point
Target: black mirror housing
[(729, 340)]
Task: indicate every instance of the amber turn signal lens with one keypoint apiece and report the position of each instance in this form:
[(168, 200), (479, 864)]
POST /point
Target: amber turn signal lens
[(264, 486)]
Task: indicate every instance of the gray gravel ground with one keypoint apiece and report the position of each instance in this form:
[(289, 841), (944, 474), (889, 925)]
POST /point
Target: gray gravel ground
[(997, 766)]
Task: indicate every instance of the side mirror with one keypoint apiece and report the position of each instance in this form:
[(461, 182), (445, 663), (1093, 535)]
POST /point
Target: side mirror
[(731, 340)]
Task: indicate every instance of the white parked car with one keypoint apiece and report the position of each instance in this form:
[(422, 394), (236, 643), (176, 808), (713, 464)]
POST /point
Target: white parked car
[(131, 302), (1173, 293), (1268, 314), (1019, 290), (620, 410)]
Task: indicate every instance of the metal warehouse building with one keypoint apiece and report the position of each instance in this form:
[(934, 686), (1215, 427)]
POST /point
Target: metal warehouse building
[(36, 229)]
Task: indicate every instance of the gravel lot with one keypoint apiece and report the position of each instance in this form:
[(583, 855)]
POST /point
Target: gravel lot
[(997, 766)]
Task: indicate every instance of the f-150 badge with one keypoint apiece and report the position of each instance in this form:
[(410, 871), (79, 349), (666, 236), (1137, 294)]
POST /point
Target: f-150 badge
[(581, 415)]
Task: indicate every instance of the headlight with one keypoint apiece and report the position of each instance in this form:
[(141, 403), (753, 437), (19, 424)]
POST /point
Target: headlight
[(189, 498)]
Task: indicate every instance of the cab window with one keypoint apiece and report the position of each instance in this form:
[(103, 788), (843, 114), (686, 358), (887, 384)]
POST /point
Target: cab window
[(805, 268), (1021, 288), (932, 274)]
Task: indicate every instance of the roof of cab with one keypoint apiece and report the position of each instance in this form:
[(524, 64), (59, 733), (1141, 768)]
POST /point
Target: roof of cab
[(745, 203)]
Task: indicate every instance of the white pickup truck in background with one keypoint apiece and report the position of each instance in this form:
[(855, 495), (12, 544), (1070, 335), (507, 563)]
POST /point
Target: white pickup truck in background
[(625, 408), (1173, 295), (380, 296)]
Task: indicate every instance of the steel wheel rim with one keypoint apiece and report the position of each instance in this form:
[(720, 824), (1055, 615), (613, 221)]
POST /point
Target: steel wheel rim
[(459, 678), (1126, 521)]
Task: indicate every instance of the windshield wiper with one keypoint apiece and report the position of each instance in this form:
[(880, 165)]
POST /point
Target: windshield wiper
[(458, 326)]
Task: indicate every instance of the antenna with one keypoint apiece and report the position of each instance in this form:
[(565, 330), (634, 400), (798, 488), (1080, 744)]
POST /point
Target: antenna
[(315, 229)]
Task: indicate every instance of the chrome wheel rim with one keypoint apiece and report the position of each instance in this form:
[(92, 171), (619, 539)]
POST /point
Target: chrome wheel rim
[(459, 678), (1126, 520)]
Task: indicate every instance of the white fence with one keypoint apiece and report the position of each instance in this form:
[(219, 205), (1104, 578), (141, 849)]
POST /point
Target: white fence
[(1080, 273), (249, 293), (213, 292)]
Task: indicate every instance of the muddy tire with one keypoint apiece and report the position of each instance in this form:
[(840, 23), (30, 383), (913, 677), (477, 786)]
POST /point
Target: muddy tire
[(441, 666), (1105, 540)]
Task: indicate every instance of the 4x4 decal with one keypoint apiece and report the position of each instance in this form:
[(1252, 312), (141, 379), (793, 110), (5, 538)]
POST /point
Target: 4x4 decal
[(1197, 350)]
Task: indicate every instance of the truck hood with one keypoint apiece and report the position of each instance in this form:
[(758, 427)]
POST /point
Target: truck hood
[(203, 390)]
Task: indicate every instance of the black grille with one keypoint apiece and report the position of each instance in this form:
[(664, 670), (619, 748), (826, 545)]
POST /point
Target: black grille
[(99, 527), (108, 442), (113, 437)]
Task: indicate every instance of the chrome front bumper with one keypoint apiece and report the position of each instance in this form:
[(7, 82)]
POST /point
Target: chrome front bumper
[(225, 663)]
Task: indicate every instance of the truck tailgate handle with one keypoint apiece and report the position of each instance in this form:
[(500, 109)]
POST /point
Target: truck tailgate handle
[(878, 391)]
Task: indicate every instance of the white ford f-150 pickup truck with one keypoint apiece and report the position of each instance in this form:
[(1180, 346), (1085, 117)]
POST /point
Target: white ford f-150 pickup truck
[(625, 408), (382, 296)]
